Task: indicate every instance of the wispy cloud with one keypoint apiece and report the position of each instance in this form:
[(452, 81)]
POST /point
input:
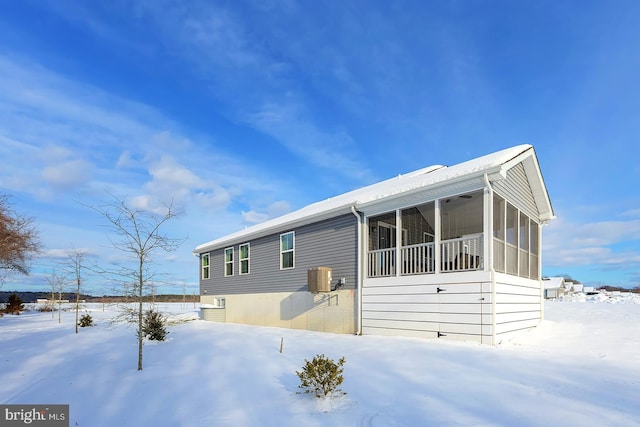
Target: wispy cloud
[(65, 142), (244, 72), (79, 138), (329, 150), (569, 244), (274, 210)]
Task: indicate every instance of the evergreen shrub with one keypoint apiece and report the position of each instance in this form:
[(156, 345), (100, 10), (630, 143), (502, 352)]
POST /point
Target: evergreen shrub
[(321, 375)]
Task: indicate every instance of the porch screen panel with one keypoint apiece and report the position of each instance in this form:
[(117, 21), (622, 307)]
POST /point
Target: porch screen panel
[(512, 240), (498, 233), (382, 244), (534, 268), (524, 245), (418, 242), (462, 231)]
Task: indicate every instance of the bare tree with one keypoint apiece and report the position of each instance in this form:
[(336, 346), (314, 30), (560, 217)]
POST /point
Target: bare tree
[(18, 240), (75, 260), (137, 233), (57, 282)]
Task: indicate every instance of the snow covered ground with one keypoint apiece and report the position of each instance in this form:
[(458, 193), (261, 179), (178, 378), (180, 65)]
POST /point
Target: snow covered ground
[(581, 367)]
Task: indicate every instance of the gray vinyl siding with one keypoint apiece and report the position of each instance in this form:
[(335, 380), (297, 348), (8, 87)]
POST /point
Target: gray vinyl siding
[(517, 191), (329, 243)]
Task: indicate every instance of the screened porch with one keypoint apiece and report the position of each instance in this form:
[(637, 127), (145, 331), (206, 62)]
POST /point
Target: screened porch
[(447, 235), (425, 248)]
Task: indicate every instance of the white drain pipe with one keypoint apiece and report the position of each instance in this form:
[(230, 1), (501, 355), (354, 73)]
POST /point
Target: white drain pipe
[(358, 272)]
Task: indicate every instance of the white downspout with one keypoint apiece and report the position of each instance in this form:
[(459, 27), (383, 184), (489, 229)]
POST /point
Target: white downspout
[(488, 247), (358, 272), (539, 254)]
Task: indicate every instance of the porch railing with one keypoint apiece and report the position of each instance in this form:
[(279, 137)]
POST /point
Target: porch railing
[(418, 259), (382, 262), (463, 254)]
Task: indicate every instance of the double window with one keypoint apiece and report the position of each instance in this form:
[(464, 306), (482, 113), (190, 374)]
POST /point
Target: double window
[(287, 257), (287, 250), (244, 260)]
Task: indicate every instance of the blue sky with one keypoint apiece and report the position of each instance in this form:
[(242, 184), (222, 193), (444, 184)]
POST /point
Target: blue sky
[(242, 111)]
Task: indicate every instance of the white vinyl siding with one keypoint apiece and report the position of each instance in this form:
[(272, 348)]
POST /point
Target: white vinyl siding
[(453, 306), (517, 305)]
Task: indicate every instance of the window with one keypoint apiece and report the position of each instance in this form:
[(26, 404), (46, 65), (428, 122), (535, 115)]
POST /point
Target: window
[(244, 258), (204, 260), (287, 250), (228, 262)]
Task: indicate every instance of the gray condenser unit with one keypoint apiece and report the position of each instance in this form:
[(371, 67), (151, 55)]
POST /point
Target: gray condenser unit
[(319, 279)]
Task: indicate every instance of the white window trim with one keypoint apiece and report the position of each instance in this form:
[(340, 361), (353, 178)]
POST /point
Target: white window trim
[(247, 259), (228, 262), (293, 250), (207, 267)]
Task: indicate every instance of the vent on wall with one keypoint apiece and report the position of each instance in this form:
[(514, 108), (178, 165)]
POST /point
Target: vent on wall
[(319, 279)]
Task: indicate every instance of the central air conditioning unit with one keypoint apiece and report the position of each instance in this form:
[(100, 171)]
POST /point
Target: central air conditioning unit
[(319, 279)]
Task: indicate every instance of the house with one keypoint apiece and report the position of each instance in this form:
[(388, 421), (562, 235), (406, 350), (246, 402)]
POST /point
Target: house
[(554, 287), (577, 288), (442, 252)]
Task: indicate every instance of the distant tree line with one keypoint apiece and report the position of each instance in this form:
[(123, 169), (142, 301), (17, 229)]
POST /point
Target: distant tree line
[(32, 297), (610, 288)]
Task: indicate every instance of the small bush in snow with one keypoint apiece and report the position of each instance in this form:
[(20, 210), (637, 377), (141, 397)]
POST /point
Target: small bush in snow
[(153, 326), (85, 320), (46, 308), (322, 375), (14, 304)]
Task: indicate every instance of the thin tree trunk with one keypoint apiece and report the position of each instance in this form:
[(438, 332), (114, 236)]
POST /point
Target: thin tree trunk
[(60, 306), (140, 316), (77, 303)]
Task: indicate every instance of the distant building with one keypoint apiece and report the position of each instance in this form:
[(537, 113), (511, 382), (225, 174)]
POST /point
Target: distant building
[(554, 287)]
